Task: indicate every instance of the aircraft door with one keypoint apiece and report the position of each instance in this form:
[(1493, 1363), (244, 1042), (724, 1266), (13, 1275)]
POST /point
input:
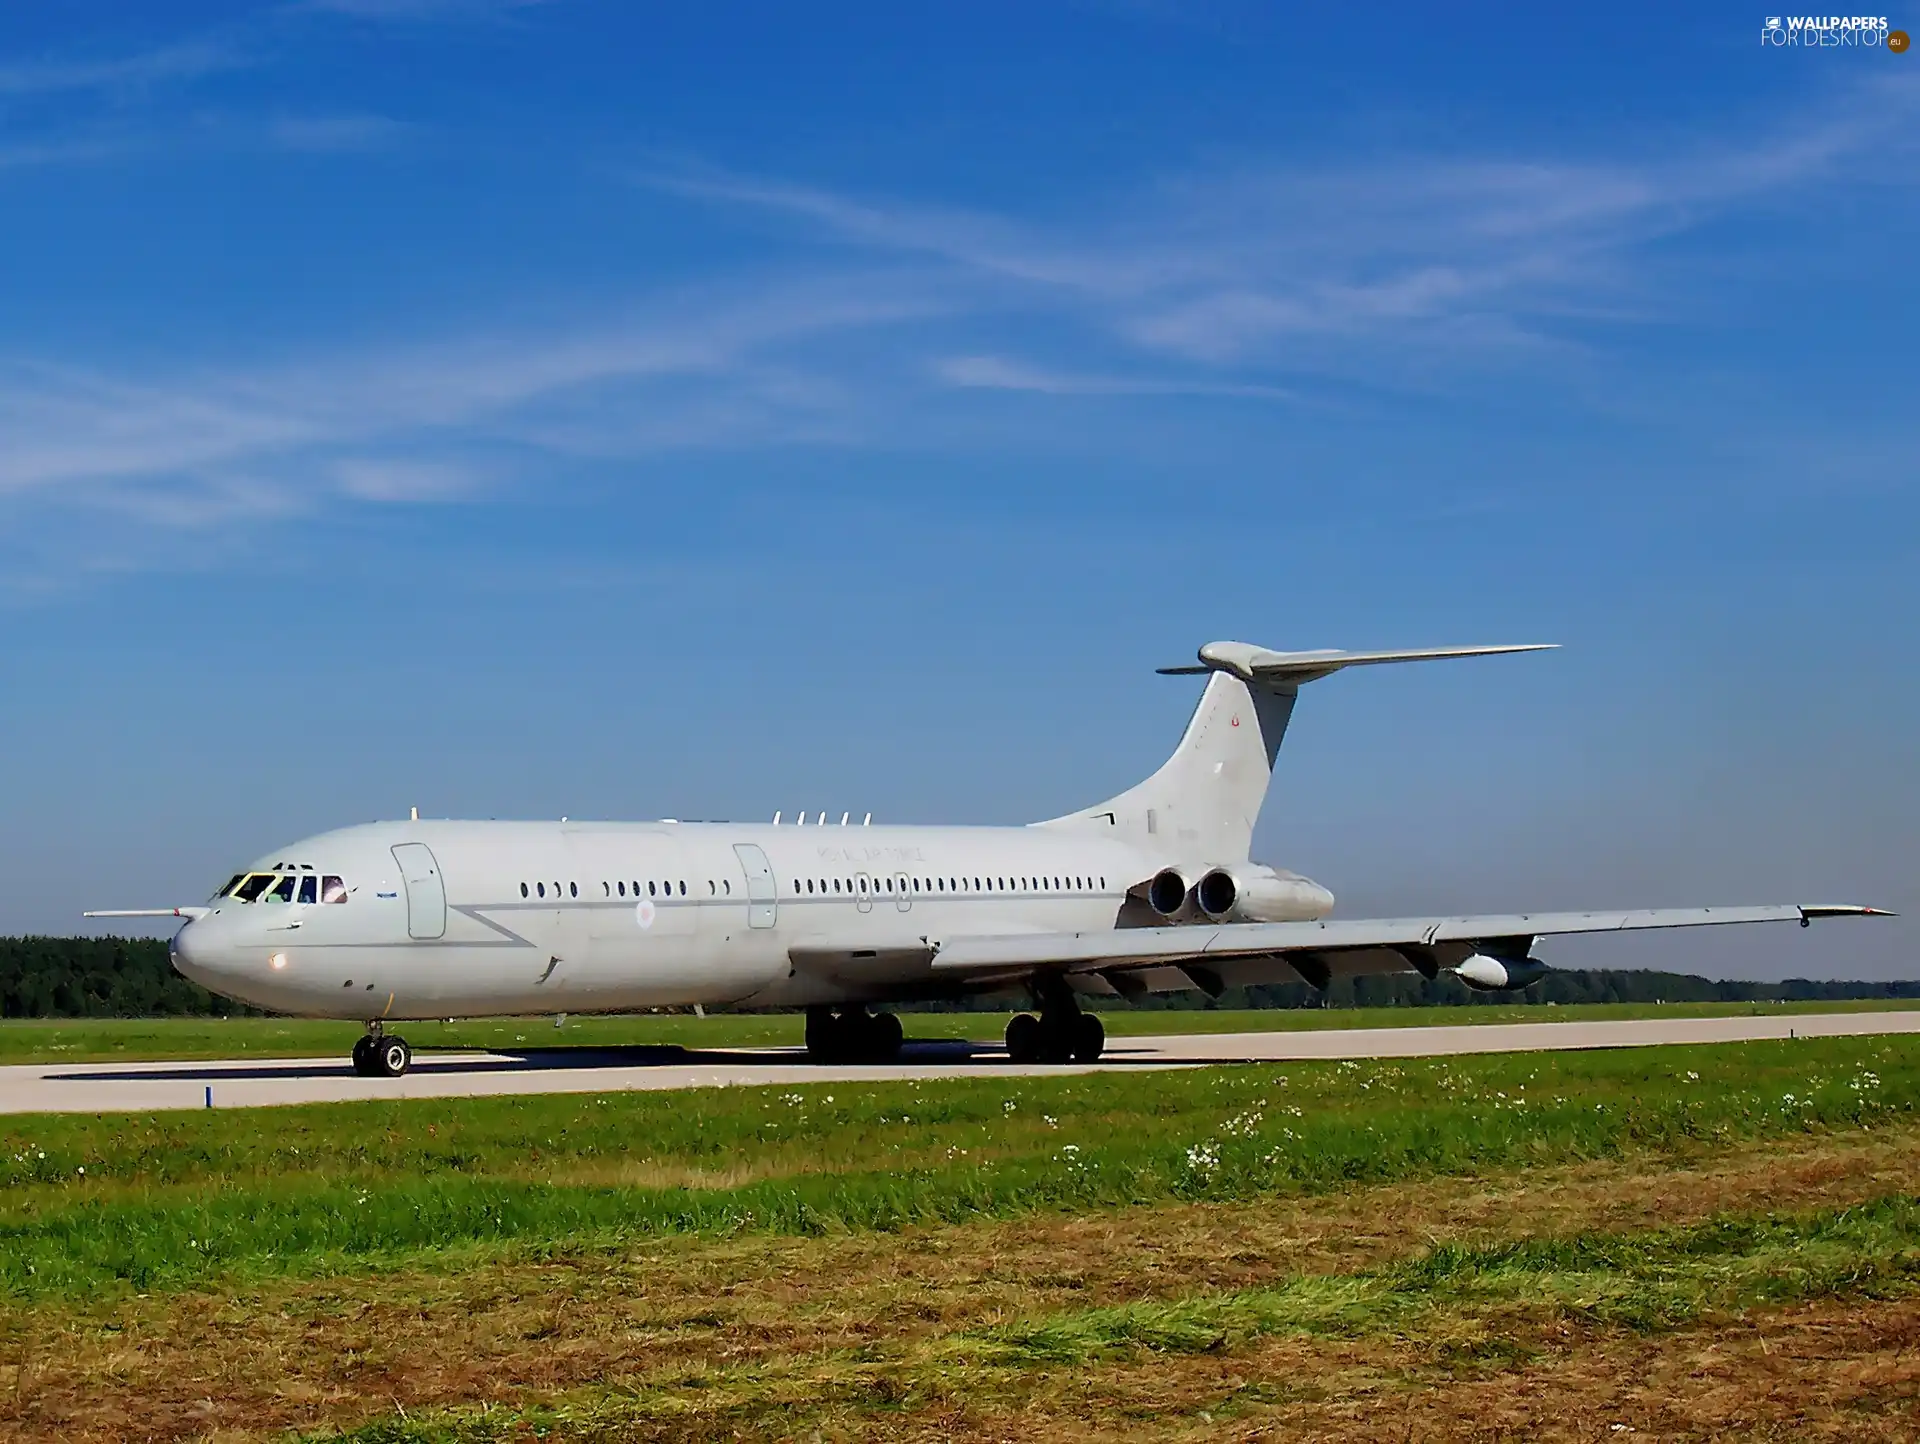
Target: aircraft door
[(863, 893), (762, 895), (426, 891), (900, 898)]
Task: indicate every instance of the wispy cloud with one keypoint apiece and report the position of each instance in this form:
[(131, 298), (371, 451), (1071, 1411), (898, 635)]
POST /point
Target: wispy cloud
[(416, 424), (1291, 266), (997, 373), (137, 71), (420, 9), (356, 131)]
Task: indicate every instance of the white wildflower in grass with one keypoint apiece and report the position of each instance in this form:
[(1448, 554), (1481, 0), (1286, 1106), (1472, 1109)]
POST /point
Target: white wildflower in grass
[(1008, 1106), (1203, 1158)]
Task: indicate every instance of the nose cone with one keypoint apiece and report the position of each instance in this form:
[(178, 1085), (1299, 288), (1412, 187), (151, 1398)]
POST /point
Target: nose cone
[(191, 953), (211, 952)]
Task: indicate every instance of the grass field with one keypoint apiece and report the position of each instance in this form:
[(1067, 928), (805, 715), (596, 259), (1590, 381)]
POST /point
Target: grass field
[(1689, 1241), (78, 1040)]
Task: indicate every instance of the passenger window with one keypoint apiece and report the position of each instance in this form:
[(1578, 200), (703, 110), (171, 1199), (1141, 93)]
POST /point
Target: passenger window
[(540, 888), (573, 888), (712, 891), (683, 888), (726, 887), (623, 887), (523, 889), (650, 890), (309, 889), (606, 888)]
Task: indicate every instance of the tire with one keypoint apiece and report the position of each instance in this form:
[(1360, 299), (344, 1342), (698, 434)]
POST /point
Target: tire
[(393, 1057), (363, 1055), (1089, 1038), (1024, 1037), (825, 1036), (885, 1035), (1056, 1039)]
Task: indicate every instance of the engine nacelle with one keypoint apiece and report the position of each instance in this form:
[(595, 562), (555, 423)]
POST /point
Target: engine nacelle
[(1500, 975), (1167, 893), (1255, 893)]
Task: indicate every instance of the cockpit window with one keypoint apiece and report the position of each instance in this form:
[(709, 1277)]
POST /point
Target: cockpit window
[(286, 887), (253, 886)]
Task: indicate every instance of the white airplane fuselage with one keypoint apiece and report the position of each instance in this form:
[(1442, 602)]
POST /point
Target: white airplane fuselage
[(469, 919), (1152, 890)]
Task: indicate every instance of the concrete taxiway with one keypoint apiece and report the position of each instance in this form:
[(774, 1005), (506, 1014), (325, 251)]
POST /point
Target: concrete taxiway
[(250, 1083)]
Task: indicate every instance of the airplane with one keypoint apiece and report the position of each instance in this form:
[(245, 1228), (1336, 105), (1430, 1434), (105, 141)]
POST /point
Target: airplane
[(1151, 891)]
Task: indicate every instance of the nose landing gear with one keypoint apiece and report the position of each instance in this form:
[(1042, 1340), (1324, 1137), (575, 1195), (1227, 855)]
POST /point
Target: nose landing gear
[(381, 1054)]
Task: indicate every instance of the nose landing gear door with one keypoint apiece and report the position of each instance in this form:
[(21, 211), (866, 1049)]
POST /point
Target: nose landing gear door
[(426, 891)]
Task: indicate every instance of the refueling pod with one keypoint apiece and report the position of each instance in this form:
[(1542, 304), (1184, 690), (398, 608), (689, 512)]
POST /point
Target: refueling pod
[(1500, 975)]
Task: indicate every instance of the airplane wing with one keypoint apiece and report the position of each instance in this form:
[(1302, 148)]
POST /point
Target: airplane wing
[(1131, 961)]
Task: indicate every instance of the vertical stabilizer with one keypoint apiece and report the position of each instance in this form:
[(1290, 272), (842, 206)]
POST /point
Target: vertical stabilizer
[(1201, 805)]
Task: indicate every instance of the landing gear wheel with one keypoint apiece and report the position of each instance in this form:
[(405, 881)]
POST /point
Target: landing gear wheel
[(823, 1036), (1089, 1038), (363, 1055), (391, 1056), (1056, 1037), (1024, 1038), (885, 1035)]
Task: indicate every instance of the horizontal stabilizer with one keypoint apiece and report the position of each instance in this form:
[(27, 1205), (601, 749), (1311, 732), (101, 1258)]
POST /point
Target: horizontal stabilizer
[(1287, 669)]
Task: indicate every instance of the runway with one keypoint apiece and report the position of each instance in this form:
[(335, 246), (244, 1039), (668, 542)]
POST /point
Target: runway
[(110, 1087)]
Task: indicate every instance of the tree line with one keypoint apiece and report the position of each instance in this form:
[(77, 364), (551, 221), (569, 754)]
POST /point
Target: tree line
[(44, 977)]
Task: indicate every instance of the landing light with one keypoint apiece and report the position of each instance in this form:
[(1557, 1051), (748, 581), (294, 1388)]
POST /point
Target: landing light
[(277, 961)]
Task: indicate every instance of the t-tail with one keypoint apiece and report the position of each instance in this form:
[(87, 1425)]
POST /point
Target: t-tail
[(1199, 809)]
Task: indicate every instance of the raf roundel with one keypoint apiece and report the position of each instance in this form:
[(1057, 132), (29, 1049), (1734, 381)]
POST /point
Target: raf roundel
[(643, 912)]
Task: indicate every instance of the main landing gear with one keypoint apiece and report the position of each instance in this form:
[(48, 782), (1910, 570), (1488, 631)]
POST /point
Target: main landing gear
[(381, 1054), (1061, 1034), (852, 1035)]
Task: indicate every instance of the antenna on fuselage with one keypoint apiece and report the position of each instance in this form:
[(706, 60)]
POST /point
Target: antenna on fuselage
[(866, 820), (416, 813), (776, 819), (843, 818)]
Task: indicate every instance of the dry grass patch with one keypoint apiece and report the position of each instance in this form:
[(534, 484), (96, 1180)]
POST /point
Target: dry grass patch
[(299, 1354)]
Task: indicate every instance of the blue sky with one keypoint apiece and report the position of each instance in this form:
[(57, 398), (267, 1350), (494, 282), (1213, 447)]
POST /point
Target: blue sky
[(517, 410)]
